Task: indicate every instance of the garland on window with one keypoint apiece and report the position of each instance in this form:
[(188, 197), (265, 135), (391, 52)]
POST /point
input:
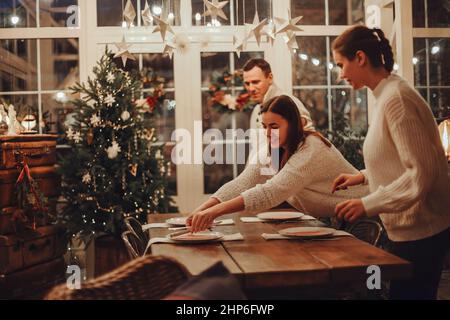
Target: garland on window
[(221, 98), (157, 98)]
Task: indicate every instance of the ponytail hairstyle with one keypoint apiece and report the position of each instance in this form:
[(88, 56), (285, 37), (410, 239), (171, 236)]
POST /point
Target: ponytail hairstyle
[(371, 41)]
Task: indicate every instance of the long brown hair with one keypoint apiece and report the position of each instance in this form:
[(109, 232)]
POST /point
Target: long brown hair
[(371, 41), (286, 108)]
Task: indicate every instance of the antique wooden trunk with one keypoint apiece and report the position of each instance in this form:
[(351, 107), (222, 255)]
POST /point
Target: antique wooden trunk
[(32, 247)]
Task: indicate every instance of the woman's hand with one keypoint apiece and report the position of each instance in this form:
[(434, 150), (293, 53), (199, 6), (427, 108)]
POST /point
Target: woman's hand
[(347, 180), (200, 221), (350, 210)]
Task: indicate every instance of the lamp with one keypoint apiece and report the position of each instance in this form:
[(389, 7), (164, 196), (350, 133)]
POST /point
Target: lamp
[(444, 130)]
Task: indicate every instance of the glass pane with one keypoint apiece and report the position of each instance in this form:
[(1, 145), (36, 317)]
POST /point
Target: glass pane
[(58, 13), (419, 61), (18, 65), (57, 108), (309, 63), (214, 64), (418, 13), (59, 63), (24, 104), (198, 18), (110, 12), (344, 12), (351, 103), (164, 115), (439, 62), (244, 11), (158, 67), (172, 178), (14, 14), (313, 11), (440, 102), (168, 6), (216, 175), (315, 100), (438, 13)]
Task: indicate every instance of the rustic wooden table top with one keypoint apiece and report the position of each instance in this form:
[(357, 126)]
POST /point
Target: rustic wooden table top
[(260, 263)]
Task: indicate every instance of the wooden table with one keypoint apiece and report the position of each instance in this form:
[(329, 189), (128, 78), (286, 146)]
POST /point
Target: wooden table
[(271, 264)]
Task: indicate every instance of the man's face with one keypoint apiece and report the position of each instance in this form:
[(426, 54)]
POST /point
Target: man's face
[(257, 83)]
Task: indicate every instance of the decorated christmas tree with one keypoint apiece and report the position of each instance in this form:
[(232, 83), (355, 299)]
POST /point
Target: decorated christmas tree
[(116, 166)]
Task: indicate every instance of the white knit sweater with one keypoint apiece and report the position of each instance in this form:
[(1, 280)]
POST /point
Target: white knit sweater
[(406, 167), (304, 182)]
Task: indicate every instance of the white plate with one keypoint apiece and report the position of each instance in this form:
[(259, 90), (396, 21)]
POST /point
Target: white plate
[(307, 232), (199, 237), (280, 215), (180, 222)]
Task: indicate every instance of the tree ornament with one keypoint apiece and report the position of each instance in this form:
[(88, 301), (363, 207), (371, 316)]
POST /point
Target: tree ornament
[(256, 28), (125, 115), (122, 51), (90, 137)]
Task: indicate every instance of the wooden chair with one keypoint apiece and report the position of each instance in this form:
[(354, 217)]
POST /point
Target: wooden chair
[(135, 247), (144, 278), (367, 230), (135, 226)]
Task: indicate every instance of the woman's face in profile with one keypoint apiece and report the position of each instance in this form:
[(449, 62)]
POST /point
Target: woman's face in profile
[(276, 129)]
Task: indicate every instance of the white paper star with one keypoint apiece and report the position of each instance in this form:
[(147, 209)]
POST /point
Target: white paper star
[(77, 137), (215, 9), (110, 100), (147, 15), (271, 32), (256, 28), (168, 49), (114, 150), (239, 45), (162, 27), (291, 40), (87, 178), (122, 51), (288, 25), (129, 13), (110, 77), (69, 134), (95, 120)]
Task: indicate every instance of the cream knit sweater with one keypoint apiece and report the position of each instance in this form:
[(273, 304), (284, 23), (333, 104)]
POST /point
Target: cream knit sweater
[(304, 182), (406, 167)]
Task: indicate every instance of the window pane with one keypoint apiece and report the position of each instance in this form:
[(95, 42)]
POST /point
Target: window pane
[(440, 102), (57, 108), (246, 9), (13, 14), (418, 7), (439, 62), (164, 116), (419, 61), (216, 176), (438, 13), (59, 63), (24, 104), (53, 13), (309, 63), (351, 103), (160, 66), (344, 12), (214, 64), (198, 10), (110, 12), (18, 65), (168, 6), (315, 100), (313, 11), (172, 179)]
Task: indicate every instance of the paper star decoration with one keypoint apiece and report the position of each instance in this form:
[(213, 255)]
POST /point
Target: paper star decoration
[(291, 40), (215, 9), (129, 13), (239, 45), (256, 28), (271, 32), (288, 25), (147, 15), (122, 51), (163, 27), (168, 49)]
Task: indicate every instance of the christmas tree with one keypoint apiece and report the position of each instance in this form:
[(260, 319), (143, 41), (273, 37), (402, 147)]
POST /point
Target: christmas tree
[(116, 166)]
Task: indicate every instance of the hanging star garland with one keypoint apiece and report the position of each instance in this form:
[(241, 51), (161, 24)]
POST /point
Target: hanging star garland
[(168, 49), (256, 28), (147, 15), (129, 13), (122, 52), (163, 27), (215, 9), (291, 40), (239, 45), (289, 24), (271, 32)]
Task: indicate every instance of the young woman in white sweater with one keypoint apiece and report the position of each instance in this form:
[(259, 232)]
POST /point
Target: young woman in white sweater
[(406, 167), (308, 163)]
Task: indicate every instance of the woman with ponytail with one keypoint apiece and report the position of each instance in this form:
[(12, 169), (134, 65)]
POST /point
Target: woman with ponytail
[(308, 164), (406, 167)]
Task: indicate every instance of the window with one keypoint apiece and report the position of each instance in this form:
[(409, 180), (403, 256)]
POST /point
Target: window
[(214, 65), (431, 14), (243, 11), (330, 12)]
